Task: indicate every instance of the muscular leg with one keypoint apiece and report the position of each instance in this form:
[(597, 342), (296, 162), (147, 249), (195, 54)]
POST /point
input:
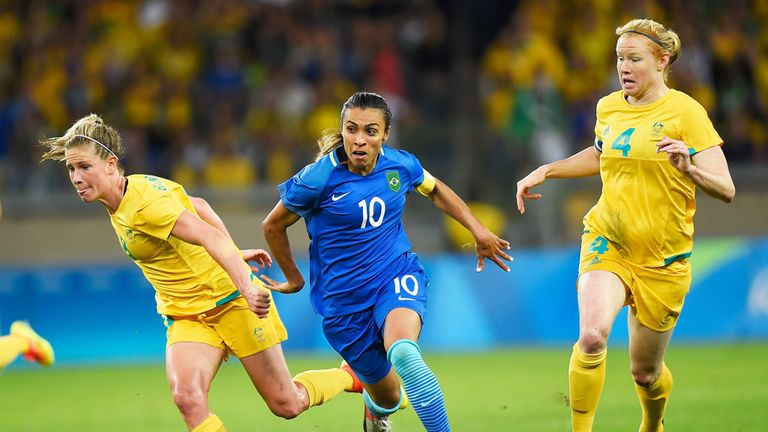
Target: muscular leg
[(190, 368), (288, 397), (601, 296), (653, 381), (401, 332)]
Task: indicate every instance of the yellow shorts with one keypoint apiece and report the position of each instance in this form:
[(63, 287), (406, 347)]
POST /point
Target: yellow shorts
[(655, 294), (231, 327)]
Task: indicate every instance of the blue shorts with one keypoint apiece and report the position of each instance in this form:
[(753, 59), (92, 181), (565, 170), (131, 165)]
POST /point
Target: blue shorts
[(358, 337)]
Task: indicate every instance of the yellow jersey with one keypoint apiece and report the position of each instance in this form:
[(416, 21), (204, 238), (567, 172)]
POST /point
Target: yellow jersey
[(186, 279), (646, 207)]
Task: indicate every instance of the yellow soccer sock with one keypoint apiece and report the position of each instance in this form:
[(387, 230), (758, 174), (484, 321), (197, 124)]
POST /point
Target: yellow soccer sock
[(10, 348), (653, 400), (323, 385), (212, 423), (586, 376)]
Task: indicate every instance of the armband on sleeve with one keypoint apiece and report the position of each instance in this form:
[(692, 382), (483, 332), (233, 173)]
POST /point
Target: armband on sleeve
[(428, 185)]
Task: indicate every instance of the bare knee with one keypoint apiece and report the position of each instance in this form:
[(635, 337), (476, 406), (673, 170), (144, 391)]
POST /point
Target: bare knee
[(593, 341), (286, 407), (645, 376), (189, 399), (387, 398)]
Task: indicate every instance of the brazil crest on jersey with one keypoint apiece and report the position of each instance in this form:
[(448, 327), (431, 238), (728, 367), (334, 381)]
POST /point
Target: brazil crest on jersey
[(646, 207), (354, 222), (186, 279)]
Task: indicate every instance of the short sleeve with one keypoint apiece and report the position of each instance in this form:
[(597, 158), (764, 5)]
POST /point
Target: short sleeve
[(698, 132), (159, 216), (600, 128), (415, 170), (300, 193)]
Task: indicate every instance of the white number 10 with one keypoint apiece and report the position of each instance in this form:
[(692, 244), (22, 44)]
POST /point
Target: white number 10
[(402, 282), (370, 209)]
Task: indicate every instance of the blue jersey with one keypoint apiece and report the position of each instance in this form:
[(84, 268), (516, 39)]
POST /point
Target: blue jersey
[(357, 242)]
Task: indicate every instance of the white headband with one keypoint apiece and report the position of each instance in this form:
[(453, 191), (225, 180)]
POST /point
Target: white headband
[(97, 142)]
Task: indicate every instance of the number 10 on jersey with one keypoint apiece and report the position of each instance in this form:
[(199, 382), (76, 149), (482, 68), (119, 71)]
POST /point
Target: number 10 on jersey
[(407, 283), (369, 212)]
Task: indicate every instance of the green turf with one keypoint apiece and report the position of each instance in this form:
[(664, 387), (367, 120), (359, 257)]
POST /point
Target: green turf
[(717, 388)]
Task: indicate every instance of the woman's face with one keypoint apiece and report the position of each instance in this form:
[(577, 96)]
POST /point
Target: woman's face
[(640, 71), (364, 132), (87, 172)]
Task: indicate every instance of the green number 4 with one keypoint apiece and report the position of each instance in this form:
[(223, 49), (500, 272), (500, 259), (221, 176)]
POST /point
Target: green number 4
[(622, 142), (600, 245)]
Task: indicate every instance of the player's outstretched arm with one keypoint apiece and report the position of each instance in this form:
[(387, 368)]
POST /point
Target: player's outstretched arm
[(275, 227), (487, 244), (583, 164), (219, 246)]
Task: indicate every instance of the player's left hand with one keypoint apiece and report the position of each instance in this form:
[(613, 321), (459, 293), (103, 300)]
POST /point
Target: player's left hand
[(281, 287), (489, 245), (259, 256), (677, 152), (258, 299)]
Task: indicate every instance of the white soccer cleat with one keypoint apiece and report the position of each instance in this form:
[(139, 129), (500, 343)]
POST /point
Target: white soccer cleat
[(376, 424)]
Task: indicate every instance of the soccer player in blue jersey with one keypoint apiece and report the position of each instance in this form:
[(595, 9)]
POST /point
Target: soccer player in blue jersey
[(366, 283)]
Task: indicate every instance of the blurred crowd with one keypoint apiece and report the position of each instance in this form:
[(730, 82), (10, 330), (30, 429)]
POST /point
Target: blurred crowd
[(216, 92), (229, 94)]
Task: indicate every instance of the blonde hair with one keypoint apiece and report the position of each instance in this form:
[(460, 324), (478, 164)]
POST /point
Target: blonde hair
[(89, 130), (663, 39), (328, 142)]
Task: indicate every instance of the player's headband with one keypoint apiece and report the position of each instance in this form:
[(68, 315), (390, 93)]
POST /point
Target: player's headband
[(658, 42), (97, 142)]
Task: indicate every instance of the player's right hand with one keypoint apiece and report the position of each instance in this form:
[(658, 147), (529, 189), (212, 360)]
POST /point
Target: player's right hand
[(259, 300), (535, 178)]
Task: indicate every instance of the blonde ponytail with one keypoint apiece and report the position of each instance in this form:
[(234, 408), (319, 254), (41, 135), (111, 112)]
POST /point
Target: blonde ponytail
[(328, 142)]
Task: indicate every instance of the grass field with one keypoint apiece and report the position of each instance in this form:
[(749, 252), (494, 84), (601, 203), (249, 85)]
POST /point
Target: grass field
[(717, 388)]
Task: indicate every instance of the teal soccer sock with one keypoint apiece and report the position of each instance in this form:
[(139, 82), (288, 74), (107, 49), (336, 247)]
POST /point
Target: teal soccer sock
[(420, 384)]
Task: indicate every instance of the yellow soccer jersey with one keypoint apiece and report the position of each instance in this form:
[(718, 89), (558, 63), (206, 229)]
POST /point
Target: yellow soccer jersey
[(186, 279), (646, 207)]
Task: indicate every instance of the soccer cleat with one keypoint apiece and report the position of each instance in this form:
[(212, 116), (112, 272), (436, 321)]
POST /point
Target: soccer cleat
[(357, 385), (371, 423), (39, 350)]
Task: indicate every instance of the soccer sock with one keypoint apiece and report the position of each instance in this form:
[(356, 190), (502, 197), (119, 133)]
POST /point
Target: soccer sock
[(586, 376), (10, 348), (654, 399), (380, 411), (212, 423), (421, 385), (324, 385)]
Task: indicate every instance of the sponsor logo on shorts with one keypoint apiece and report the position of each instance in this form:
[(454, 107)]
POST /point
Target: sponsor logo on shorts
[(666, 319), (401, 298), (259, 333)]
